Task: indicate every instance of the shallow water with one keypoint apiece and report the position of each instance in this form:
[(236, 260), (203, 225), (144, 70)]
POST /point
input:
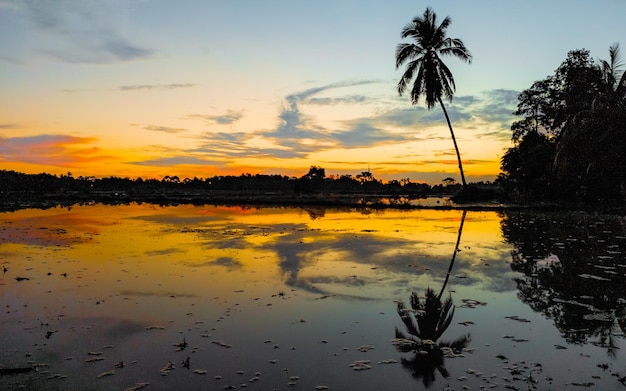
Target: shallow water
[(281, 298)]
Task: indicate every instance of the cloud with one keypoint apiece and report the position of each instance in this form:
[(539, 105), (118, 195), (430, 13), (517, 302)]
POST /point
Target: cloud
[(9, 126), (137, 87), (10, 59), (175, 161), (296, 130), (366, 132), (495, 108), (490, 112), (164, 129), (403, 117), (334, 101), (229, 118), (239, 144), (82, 31), (50, 150)]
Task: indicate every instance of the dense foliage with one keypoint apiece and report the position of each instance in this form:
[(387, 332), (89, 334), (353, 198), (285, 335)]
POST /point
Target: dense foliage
[(570, 143), (23, 189)]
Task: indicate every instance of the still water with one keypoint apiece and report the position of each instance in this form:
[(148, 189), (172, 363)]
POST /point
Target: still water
[(98, 297)]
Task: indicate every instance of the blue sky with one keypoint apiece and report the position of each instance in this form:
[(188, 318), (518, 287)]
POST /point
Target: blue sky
[(201, 88)]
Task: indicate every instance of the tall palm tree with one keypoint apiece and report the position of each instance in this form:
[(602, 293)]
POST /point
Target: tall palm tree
[(433, 78)]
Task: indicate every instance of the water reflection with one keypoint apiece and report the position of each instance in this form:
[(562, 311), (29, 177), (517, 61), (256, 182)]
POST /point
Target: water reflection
[(573, 268), (426, 321), (145, 276)]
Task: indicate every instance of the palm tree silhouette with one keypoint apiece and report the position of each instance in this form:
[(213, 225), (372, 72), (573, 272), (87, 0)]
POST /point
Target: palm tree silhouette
[(433, 79), (613, 77), (426, 321)]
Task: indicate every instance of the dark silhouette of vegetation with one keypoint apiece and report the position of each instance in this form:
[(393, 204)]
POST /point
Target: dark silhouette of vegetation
[(572, 266), (20, 190), (432, 78), (425, 322), (570, 142)]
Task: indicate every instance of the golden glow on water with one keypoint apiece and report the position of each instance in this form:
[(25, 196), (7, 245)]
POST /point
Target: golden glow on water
[(230, 246), (139, 278)]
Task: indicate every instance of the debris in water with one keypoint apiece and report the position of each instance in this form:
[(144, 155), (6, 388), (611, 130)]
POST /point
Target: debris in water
[(222, 344), (107, 373), (167, 369), (181, 345), (361, 365), (517, 318), (49, 333), (471, 303), (138, 386)]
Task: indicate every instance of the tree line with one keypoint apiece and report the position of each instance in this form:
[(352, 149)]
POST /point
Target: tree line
[(315, 181)]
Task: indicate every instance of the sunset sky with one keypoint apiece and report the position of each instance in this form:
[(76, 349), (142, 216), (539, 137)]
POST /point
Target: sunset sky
[(200, 88)]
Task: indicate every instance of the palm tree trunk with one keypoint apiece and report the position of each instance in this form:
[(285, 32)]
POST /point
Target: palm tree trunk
[(456, 250), (456, 148)]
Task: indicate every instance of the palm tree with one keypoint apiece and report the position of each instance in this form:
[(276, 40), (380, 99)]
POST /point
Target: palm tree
[(433, 78), (614, 78)]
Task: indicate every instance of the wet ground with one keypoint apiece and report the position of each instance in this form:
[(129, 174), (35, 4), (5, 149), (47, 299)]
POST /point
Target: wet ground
[(208, 298)]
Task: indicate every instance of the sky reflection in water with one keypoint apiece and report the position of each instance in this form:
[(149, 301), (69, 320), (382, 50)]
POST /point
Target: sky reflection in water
[(305, 287)]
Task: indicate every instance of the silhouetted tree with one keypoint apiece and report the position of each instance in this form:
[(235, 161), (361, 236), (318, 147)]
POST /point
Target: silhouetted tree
[(570, 143), (433, 78), (312, 181)]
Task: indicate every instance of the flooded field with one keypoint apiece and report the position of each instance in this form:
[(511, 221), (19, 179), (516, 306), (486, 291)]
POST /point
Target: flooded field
[(136, 297)]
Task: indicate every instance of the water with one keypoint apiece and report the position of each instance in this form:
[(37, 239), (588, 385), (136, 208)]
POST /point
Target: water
[(113, 297)]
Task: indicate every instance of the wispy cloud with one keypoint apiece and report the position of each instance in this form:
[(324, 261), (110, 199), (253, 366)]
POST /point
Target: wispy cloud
[(164, 129), (368, 132), (230, 117), (295, 129), (82, 32), (490, 111), (338, 100), (139, 87), (175, 161)]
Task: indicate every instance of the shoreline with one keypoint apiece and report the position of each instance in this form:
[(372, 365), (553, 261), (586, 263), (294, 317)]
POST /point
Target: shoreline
[(18, 201)]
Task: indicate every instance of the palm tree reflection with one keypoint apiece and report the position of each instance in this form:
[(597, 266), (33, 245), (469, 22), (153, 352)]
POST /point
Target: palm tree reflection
[(426, 321)]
